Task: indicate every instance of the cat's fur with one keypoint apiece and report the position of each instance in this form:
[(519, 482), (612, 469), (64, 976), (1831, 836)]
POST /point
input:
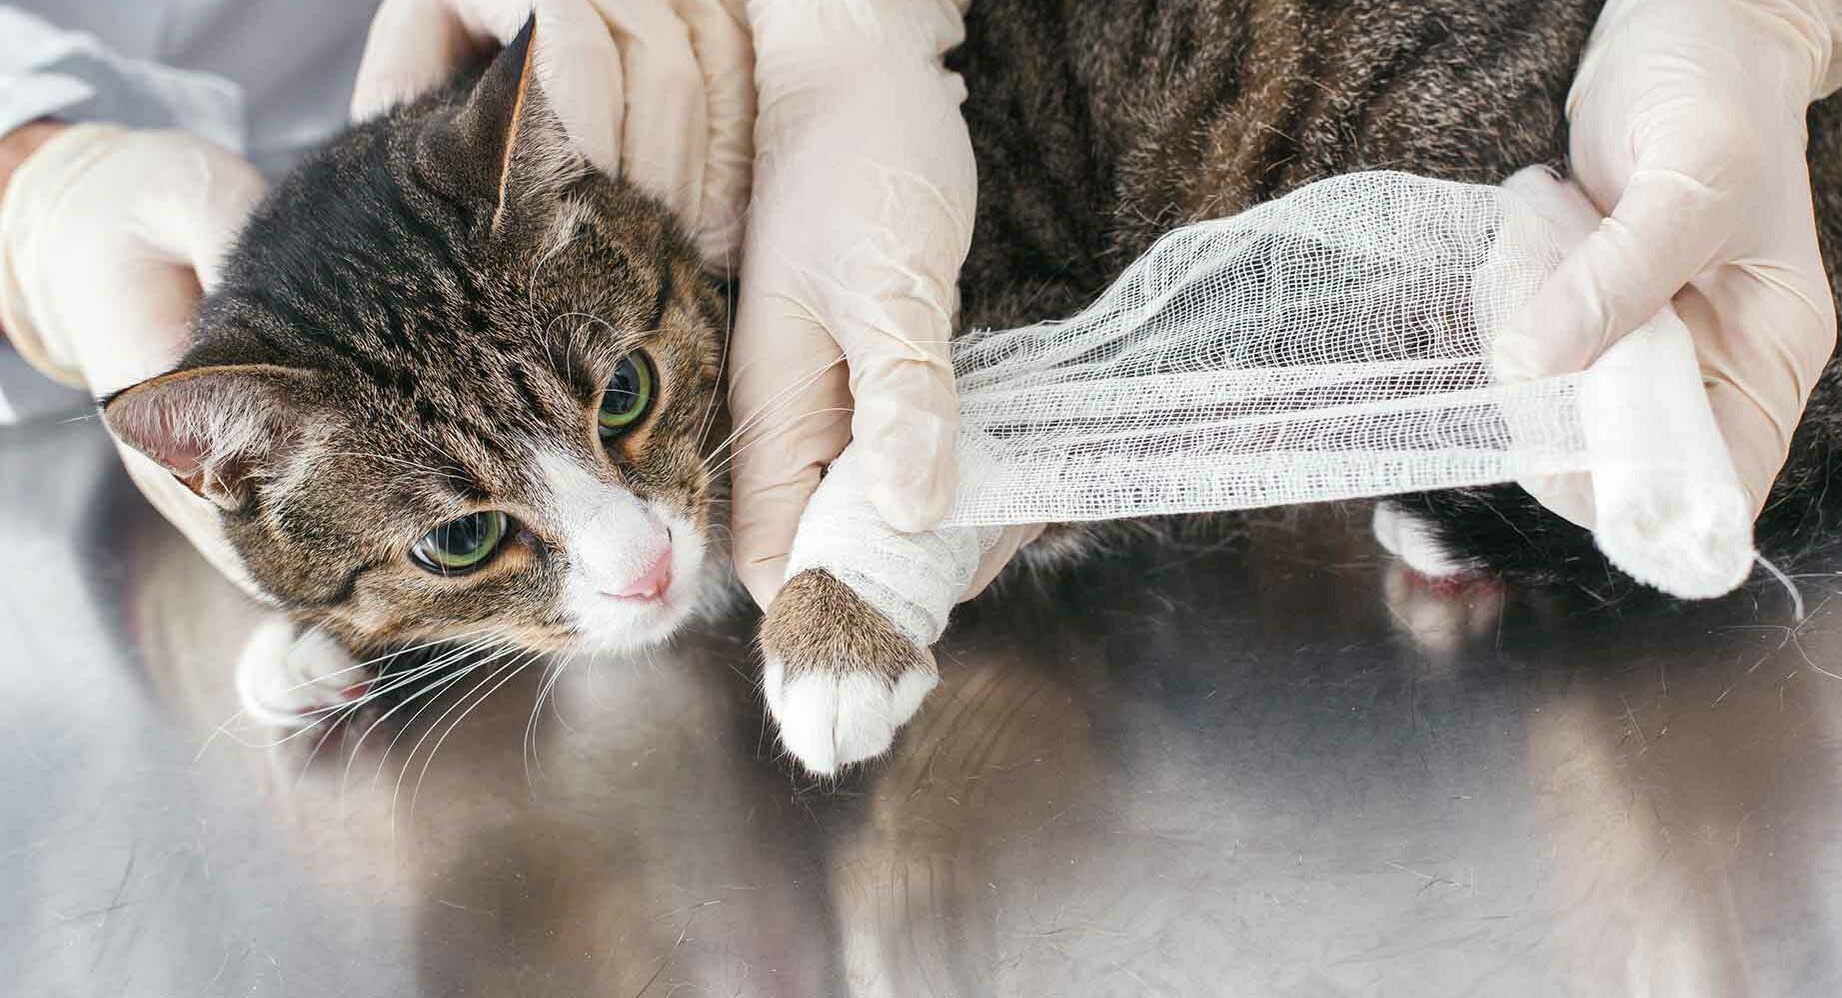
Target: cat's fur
[(415, 322)]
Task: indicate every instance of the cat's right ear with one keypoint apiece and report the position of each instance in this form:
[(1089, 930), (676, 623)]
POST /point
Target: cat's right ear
[(506, 139), (217, 429)]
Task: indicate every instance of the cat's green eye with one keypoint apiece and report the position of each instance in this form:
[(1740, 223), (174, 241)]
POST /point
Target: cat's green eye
[(462, 545), (628, 394)]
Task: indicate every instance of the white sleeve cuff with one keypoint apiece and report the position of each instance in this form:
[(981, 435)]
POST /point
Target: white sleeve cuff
[(48, 71)]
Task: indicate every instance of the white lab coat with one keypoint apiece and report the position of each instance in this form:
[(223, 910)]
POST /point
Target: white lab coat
[(269, 78)]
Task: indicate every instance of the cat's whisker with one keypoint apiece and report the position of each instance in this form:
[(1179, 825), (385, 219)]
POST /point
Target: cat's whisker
[(409, 760), (722, 359), (409, 677), (429, 697), (552, 674), (335, 712), (716, 395), (782, 428), (783, 398), (434, 695), (373, 661), (332, 716), (517, 665)]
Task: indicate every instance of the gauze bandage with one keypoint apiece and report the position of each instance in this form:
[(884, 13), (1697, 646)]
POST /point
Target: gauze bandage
[(1332, 344)]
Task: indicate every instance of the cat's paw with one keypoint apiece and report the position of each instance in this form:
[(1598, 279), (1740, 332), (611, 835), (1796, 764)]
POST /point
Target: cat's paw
[(289, 680), (839, 678), (1408, 538)]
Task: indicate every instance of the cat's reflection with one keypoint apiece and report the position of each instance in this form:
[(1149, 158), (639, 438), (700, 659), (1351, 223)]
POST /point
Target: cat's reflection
[(1172, 770), (1660, 772), (629, 840)]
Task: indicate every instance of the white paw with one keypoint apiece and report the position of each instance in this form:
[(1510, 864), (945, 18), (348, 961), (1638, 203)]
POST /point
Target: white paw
[(288, 681), (1403, 535), (829, 720)]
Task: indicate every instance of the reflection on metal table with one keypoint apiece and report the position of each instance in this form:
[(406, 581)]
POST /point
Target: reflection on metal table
[(1277, 766)]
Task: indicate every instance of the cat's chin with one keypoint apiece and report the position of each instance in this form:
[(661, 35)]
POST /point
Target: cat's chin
[(613, 634)]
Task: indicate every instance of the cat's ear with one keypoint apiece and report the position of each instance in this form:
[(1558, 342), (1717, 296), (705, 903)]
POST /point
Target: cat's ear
[(509, 138), (217, 429)]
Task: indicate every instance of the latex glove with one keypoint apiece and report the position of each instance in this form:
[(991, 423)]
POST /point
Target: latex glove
[(107, 237), (1687, 127), (657, 91), (862, 216)]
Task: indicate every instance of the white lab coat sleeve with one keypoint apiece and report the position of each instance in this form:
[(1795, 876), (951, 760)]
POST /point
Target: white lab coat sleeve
[(47, 71)]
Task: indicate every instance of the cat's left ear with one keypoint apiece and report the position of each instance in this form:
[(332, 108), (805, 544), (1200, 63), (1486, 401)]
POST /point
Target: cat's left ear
[(219, 430), (506, 139)]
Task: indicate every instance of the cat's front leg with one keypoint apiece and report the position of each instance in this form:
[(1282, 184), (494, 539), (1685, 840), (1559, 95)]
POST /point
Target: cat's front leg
[(840, 679), (288, 678)]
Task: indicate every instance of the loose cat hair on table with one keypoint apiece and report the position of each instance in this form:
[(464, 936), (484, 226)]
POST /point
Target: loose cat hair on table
[(457, 387)]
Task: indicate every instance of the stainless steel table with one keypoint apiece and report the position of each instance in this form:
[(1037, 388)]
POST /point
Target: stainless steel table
[(1275, 767)]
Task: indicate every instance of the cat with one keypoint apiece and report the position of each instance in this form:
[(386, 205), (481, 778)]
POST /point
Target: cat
[(458, 387)]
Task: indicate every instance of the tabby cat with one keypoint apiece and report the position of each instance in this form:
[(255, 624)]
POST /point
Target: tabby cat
[(457, 386)]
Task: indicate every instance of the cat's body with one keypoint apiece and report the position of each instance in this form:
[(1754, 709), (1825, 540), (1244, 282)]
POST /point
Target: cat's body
[(436, 304)]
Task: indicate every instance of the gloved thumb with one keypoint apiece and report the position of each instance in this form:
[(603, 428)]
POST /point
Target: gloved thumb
[(906, 416), (1665, 229), (413, 47), (195, 219)]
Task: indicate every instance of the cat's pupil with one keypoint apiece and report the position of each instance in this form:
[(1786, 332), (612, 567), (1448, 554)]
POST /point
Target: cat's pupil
[(461, 544), (628, 393)]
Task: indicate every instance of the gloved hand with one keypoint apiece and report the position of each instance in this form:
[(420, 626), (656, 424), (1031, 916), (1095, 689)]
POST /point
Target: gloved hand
[(1687, 126), (656, 91), (107, 237), (862, 215)]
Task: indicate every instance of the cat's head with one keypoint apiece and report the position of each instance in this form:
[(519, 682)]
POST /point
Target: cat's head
[(457, 383)]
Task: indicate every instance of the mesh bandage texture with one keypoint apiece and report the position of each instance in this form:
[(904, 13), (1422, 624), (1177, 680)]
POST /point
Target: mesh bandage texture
[(1332, 344)]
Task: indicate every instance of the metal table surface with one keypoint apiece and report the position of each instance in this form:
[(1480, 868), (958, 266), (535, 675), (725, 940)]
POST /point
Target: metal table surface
[(1277, 767)]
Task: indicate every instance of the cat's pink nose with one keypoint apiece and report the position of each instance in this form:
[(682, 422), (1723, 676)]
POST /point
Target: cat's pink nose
[(652, 583)]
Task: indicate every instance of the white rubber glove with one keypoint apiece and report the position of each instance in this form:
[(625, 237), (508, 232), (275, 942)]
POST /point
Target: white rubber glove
[(657, 91), (107, 236), (1687, 128), (864, 194)]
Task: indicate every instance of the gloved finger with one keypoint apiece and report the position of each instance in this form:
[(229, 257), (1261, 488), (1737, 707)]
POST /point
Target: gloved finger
[(417, 45), (788, 428), (194, 210), (719, 37), (1762, 335), (413, 47), (1665, 229), (581, 69), (773, 480), (666, 126), (906, 419), (999, 555), (1569, 496), (1755, 441), (907, 414), (156, 303), (149, 310)]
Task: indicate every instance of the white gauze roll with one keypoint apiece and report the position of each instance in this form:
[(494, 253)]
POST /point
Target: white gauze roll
[(1331, 344)]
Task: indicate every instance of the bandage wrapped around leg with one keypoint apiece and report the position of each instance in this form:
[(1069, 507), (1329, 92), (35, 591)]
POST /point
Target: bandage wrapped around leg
[(1331, 344)]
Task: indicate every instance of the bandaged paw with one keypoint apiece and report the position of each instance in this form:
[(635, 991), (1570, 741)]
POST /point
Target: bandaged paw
[(1661, 496), (1334, 344), (286, 681)]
